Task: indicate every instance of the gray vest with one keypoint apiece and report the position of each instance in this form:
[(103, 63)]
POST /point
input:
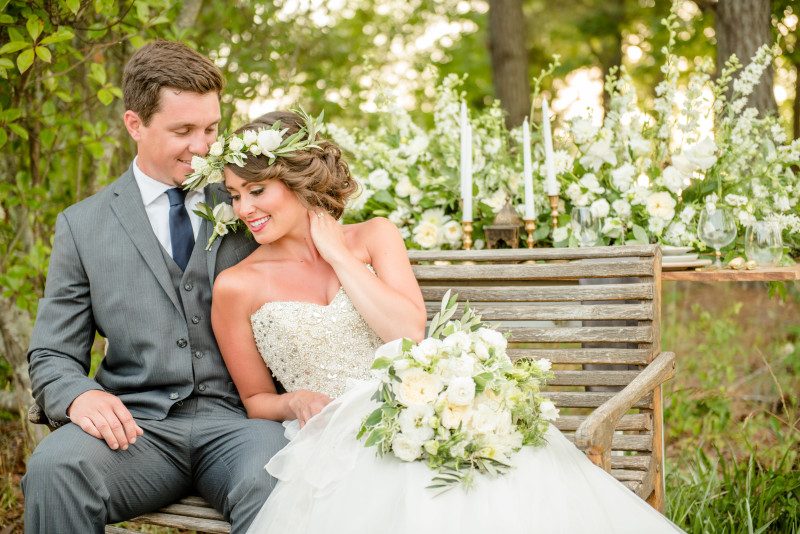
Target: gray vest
[(211, 378)]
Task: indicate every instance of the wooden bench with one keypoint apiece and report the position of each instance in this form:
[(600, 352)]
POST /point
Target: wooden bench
[(550, 301)]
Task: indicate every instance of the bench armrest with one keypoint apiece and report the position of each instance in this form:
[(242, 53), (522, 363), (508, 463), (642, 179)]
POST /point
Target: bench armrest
[(596, 432)]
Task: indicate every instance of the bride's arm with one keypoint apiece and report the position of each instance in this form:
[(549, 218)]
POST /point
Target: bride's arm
[(230, 319), (391, 302)]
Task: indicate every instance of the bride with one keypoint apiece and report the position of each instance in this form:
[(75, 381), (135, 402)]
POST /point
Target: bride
[(308, 308)]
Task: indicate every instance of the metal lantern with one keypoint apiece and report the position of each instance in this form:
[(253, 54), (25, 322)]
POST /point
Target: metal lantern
[(505, 230)]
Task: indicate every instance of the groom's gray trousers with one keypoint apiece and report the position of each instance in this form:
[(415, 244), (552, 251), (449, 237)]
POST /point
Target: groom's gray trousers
[(108, 273), (76, 484)]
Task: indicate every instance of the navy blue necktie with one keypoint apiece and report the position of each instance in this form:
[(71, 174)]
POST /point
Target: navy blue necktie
[(180, 228)]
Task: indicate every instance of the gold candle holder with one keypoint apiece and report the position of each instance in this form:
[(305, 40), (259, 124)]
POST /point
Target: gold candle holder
[(554, 210), (467, 225), (530, 226)]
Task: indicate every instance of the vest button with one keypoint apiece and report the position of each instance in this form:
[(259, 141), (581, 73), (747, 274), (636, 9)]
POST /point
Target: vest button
[(198, 354), (201, 387), (188, 286), (182, 343), (196, 319), (173, 396)]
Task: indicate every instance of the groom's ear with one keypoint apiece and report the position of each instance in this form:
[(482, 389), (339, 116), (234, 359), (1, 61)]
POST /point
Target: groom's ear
[(134, 124)]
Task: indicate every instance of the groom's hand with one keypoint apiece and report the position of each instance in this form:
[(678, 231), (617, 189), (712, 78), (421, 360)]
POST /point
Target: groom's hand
[(103, 416)]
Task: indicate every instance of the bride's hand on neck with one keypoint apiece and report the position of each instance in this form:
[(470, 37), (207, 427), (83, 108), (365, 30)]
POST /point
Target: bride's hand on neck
[(328, 237)]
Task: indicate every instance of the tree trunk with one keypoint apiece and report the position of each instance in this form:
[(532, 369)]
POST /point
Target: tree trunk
[(188, 14), (742, 26), (15, 333), (796, 107), (509, 57)]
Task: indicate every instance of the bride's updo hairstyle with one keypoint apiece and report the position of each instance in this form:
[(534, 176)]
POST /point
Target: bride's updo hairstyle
[(319, 177)]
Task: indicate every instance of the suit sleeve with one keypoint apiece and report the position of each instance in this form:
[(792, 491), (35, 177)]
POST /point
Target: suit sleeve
[(59, 356)]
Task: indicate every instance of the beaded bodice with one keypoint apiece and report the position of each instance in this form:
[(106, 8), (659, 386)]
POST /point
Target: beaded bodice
[(314, 347)]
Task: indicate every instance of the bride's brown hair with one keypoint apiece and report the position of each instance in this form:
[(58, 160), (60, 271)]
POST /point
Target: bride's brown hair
[(319, 176)]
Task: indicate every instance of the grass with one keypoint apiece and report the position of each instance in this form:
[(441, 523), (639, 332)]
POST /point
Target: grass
[(732, 414)]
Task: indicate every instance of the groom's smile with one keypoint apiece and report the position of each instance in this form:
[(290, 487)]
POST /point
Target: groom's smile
[(185, 125)]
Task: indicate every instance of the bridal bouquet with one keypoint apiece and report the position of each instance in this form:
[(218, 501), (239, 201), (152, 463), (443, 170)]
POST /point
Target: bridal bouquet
[(456, 401)]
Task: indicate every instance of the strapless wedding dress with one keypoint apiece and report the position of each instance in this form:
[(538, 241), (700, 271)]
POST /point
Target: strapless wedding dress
[(330, 483)]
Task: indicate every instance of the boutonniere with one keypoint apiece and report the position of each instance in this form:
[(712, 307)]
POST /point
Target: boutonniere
[(221, 217)]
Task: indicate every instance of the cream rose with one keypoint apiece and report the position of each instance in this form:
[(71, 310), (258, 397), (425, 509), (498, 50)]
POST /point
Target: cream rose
[(406, 449), (417, 387), (461, 391)]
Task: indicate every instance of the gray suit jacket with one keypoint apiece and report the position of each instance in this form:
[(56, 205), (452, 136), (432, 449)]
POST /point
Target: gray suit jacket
[(107, 274)]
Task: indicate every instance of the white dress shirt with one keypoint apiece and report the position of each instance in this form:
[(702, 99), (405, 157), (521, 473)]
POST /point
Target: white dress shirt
[(156, 204)]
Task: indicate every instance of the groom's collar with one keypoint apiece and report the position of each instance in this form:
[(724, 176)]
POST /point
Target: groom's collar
[(151, 189)]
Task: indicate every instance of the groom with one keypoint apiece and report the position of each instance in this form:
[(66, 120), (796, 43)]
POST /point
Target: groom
[(161, 418)]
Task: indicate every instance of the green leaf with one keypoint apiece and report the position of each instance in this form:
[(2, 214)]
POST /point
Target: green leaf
[(374, 418), (98, 73), (35, 27), (137, 41), (376, 436), (11, 114), (61, 35), (381, 363), (95, 149), (6, 19), (640, 234), (19, 130), (6, 63), (15, 35), (25, 60), (14, 46), (43, 53), (105, 96), (3, 137), (73, 5)]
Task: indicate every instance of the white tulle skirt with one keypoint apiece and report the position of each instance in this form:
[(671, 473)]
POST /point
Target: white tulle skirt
[(330, 483)]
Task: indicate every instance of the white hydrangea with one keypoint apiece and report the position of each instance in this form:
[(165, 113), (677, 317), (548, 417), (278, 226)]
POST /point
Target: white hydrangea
[(622, 177), (600, 208)]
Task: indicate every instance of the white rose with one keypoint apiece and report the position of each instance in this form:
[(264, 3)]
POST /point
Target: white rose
[(434, 216), (452, 416), (622, 177), (674, 179), (215, 177), (457, 342), (199, 164), (621, 207), (379, 179), (576, 195), (391, 350), (589, 181), (426, 234), (406, 449), (268, 140), (417, 387), (461, 367), (216, 148), (425, 350), (404, 187), (544, 364), (560, 234), (599, 153), (683, 164), (599, 208), (703, 154), (461, 391), (583, 130), (548, 410), (482, 420), (414, 422), (224, 212), (236, 144), (452, 232), (661, 205), (493, 338), (250, 137)]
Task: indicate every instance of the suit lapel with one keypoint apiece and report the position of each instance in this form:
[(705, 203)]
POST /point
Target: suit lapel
[(212, 198), (128, 207)]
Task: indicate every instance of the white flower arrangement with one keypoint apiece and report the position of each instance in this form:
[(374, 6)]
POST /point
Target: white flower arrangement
[(456, 401), (233, 149)]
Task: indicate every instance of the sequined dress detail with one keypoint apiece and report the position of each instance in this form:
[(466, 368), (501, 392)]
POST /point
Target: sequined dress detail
[(315, 347)]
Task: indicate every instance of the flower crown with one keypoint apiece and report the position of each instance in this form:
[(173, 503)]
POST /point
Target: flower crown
[(233, 149)]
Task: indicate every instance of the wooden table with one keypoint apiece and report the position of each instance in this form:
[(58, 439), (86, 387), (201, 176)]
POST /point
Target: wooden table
[(773, 274)]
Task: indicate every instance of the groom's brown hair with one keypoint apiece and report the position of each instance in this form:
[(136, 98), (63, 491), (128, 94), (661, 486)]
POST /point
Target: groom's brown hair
[(166, 64)]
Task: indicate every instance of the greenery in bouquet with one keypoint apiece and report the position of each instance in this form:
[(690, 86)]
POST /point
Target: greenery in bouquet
[(456, 401), (649, 176), (410, 174)]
